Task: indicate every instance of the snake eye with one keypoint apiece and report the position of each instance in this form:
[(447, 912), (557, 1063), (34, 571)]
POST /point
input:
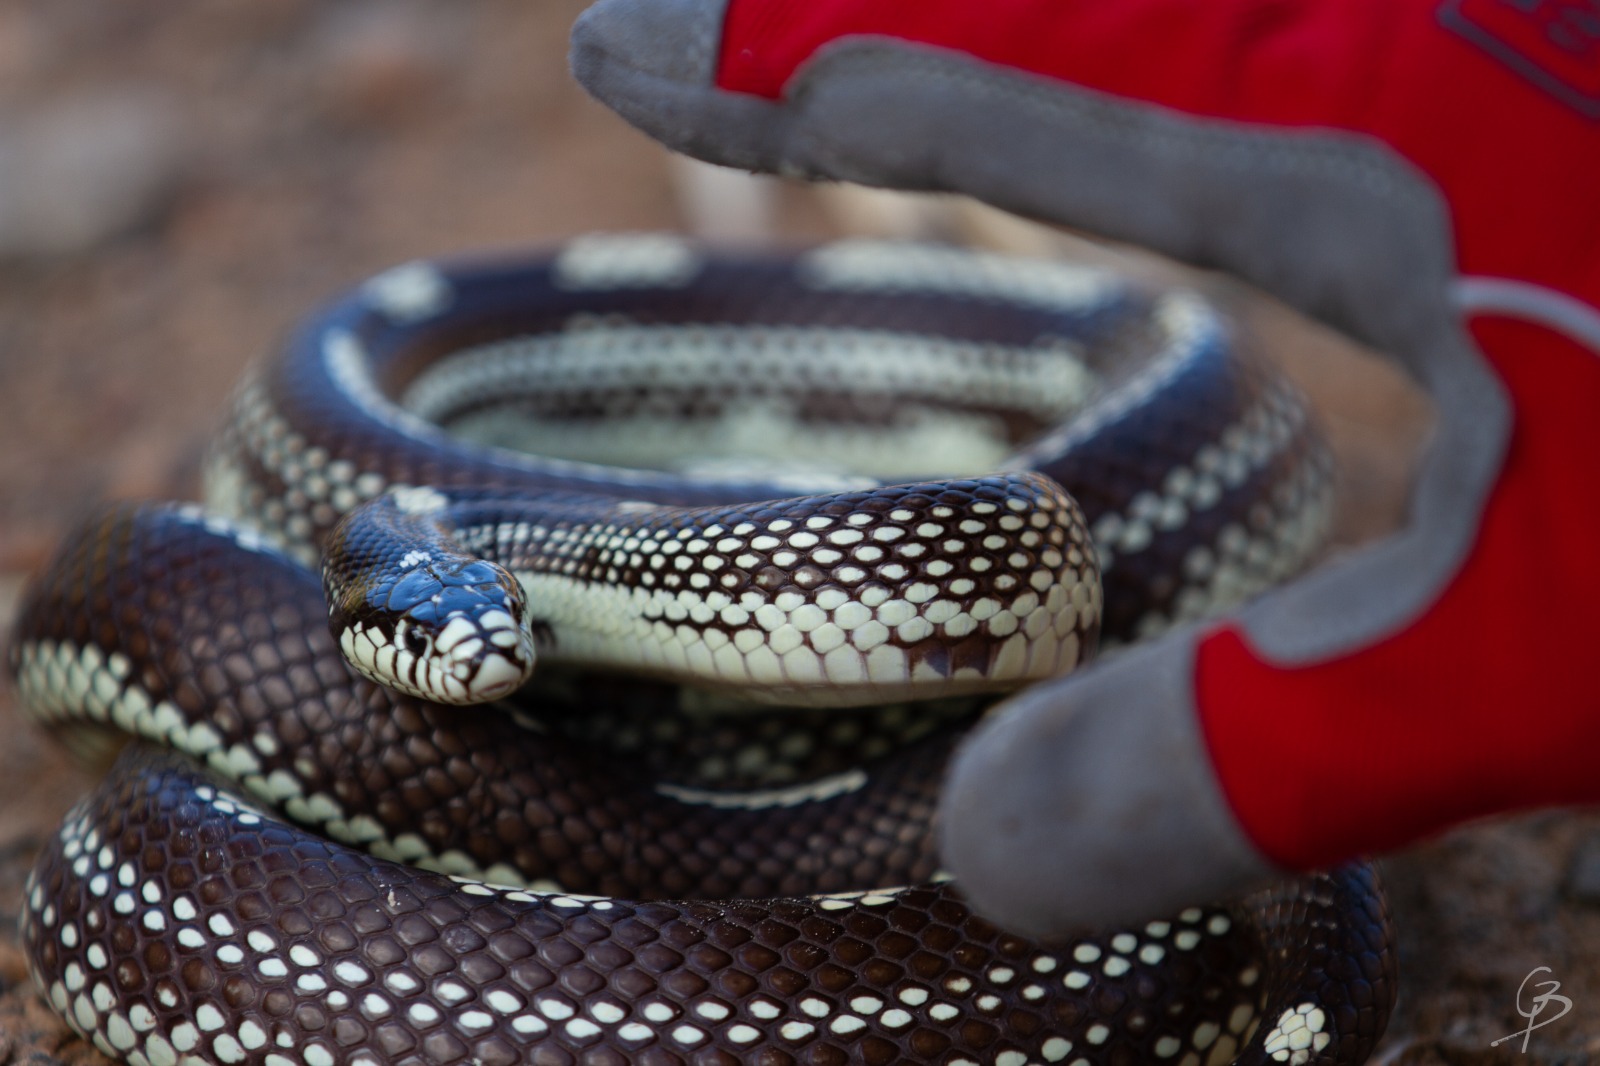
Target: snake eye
[(415, 640)]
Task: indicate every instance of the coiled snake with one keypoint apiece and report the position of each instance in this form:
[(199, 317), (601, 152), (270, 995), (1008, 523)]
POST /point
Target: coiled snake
[(198, 909)]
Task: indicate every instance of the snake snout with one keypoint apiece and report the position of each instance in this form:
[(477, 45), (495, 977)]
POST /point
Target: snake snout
[(470, 641), (452, 634), (468, 655), (489, 653)]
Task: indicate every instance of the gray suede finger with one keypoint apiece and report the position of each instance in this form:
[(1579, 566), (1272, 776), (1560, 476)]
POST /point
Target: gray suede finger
[(1334, 222), (653, 61), (1090, 802)]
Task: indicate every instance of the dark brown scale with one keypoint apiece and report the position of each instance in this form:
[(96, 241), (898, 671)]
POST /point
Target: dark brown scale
[(692, 739), (1327, 938), (760, 965), (1132, 455)]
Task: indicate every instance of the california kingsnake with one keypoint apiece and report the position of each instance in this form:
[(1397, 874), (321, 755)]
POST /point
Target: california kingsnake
[(172, 919)]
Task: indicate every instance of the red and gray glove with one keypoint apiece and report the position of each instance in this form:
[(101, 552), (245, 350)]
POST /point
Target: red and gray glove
[(1423, 175)]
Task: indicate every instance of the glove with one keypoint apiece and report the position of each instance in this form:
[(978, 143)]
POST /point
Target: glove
[(1421, 175)]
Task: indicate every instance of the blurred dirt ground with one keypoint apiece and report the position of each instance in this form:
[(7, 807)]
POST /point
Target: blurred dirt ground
[(180, 182)]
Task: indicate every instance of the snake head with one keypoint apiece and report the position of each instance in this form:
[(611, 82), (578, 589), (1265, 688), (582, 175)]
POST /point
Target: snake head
[(454, 631)]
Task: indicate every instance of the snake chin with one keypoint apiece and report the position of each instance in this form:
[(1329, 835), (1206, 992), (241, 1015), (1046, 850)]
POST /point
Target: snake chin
[(472, 657), (495, 676)]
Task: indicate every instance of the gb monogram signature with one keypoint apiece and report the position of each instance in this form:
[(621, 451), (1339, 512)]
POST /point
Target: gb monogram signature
[(1536, 1007)]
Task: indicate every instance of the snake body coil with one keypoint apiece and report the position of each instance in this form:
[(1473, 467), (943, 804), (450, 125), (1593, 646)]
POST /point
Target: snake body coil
[(175, 918)]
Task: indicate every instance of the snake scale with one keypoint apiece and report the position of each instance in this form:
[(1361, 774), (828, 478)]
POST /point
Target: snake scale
[(840, 490)]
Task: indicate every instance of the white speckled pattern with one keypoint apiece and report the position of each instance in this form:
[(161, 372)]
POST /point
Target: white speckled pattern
[(352, 993)]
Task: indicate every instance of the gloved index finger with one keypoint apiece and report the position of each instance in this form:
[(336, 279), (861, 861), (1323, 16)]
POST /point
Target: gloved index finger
[(1260, 148)]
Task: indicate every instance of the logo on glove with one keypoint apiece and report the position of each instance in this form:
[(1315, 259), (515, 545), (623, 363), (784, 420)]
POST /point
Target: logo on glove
[(1555, 44)]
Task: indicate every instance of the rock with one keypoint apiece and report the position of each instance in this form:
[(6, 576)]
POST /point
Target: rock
[(380, 60), (25, 47), (80, 170), (1582, 884)]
